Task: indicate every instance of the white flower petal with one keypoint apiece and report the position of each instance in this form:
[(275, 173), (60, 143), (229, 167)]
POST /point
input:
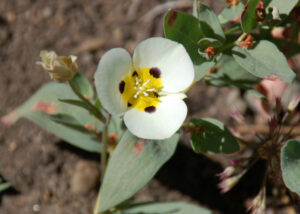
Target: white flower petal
[(162, 123), (176, 66), (113, 67)]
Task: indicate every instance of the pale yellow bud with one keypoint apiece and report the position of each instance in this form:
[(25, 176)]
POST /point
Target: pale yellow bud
[(60, 68)]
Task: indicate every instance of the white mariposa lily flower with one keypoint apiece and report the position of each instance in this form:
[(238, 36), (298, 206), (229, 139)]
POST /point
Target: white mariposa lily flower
[(148, 89)]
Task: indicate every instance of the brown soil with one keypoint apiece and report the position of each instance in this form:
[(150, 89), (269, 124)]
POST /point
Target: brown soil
[(48, 175)]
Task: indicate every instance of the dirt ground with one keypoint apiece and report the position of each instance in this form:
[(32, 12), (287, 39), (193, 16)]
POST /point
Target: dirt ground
[(48, 175)]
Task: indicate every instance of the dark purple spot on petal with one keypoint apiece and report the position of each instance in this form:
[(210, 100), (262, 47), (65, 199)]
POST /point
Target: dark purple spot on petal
[(129, 104), (150, 109), (155, 94), (121, 86), (134, 74), (155, 72)]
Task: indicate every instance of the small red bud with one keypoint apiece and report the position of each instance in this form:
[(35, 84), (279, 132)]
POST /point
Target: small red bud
[(260, 11), (248, 42), (210, 51)]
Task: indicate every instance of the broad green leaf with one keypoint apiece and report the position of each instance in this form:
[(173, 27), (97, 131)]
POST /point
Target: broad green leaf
[(265, 60), (230, 73), (205, 14), (187, 30), (82, 85), (249, 20), (45, 103), (231, 13), (131, 166), (166, 208), (212, 136), (290, 48), (290, 165), (4, 186), (284, 6)]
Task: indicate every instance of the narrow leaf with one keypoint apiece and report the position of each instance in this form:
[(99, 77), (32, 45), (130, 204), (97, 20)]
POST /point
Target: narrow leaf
[(81, 140), (4, 186), (78, 103), (167, 208), (69, 121), (212, 136), (131, 166), (41, 107)]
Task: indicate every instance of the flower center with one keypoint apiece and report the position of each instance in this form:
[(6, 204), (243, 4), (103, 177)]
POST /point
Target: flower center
[(140, 89)]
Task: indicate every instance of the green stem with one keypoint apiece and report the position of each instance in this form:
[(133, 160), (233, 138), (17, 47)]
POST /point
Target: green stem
[(104, 146), (97, 113), (228, 46), (233, 30), (232, 44)]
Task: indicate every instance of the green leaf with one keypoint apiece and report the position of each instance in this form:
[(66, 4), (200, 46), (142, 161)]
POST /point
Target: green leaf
[(41, 107), (187, 30), (230, 73), (69, 121), (257, 94), (166, 208), (209, 42), (249, 20), (202, 69), (205, 14), (264, 61), (290, 165), (230, 13), (284, 7), (212, 136), (4, 186), (78, 103), (131, 166), (82, 85), (289, 47)]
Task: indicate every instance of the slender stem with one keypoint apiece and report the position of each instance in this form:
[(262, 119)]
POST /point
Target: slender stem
[(104, 146), (228, 46), (97, 113), (233, 30)]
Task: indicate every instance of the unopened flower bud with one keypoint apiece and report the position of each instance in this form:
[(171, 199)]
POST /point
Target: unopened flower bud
[(248, 42), (275, 14), (260, 11), (210, 51), (229, 182), (258, 205), (60, 68), (295, 102), (227, 172)]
